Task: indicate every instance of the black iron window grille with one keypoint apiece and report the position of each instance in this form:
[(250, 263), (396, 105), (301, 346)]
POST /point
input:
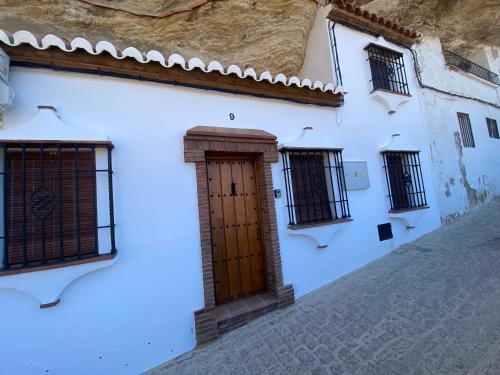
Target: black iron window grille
[(492, 128), (388, 69), (315, 186), (466, 130), (404, 180), (57, 203), (470, 67)]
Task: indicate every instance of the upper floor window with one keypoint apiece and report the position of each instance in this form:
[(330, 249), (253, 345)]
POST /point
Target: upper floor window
[(492, 128), (466, 130), (315, 186), (404, 180), (388, 70), (57, 202)]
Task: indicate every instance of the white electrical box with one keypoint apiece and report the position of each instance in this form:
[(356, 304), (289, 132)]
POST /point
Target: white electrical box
[(356, 175)]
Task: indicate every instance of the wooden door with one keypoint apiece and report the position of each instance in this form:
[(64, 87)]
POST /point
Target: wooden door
[(237, 251)]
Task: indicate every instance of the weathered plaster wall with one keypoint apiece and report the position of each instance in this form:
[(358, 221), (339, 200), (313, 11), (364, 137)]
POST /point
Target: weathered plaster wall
[(465, 177), (434, 72)]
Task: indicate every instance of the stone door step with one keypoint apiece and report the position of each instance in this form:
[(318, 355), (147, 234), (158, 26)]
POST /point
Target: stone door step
[(235, 314)]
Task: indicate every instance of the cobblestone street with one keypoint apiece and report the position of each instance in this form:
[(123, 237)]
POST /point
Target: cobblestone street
[(430, 307)]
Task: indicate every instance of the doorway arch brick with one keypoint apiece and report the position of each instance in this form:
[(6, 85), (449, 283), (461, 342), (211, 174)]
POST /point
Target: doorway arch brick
[(200, 141)]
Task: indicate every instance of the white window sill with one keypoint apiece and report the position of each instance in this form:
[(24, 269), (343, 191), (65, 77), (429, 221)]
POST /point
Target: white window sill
[(318, 224)]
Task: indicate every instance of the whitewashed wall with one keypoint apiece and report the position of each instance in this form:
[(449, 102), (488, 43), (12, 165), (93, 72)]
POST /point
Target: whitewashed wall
[(318, 59), (465, 177), (138, 312)]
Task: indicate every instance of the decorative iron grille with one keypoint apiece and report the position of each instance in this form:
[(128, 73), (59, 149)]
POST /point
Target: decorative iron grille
[(492, 128), (388, 69), (404, 180), (50, 203), (315, 186), (466, 130), (470, 67)]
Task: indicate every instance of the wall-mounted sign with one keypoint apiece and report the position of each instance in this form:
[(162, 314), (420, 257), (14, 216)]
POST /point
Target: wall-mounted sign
[(4, 66)]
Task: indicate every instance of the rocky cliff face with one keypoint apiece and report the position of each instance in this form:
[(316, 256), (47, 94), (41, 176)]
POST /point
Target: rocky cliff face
[(266, 35), (462, 25)]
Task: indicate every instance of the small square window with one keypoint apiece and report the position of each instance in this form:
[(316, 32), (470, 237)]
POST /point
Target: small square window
[(466, 130), (492, 128), (388, 70)]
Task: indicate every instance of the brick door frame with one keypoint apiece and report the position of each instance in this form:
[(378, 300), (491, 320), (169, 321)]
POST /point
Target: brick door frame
[(262, 146)]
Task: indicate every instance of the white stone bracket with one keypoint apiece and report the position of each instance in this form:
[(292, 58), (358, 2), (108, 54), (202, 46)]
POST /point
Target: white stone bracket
[(47, 286), (408, 218), (320, 235), (390, 102)]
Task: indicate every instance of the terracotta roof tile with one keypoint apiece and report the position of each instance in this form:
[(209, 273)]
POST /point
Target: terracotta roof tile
[(354, 16), (79, 43)]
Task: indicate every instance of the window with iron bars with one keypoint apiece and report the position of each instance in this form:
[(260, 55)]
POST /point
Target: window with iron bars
[(492, 128), (388, 69), (466, 130), (404, 180), (315, 186), (57, 203)]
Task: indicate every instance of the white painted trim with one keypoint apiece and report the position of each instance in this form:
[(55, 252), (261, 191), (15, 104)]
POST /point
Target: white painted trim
[(49, 40)]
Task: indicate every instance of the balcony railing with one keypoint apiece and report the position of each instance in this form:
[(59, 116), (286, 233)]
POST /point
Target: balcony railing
[(470, 67)]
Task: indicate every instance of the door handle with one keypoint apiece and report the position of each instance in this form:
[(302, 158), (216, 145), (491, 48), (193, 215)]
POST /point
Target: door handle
[(233, 188)]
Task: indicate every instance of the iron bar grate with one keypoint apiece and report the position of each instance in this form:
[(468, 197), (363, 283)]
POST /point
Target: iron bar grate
[(470, 67), (388, 70), (315, 186), (492, 128), (51, 193), (466, 130), (405, 182)]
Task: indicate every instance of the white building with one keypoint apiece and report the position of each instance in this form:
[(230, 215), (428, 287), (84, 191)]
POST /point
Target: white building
[(461, 120), (142, 216)]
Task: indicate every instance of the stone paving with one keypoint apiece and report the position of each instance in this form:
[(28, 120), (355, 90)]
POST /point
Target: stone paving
[(430, 307)]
